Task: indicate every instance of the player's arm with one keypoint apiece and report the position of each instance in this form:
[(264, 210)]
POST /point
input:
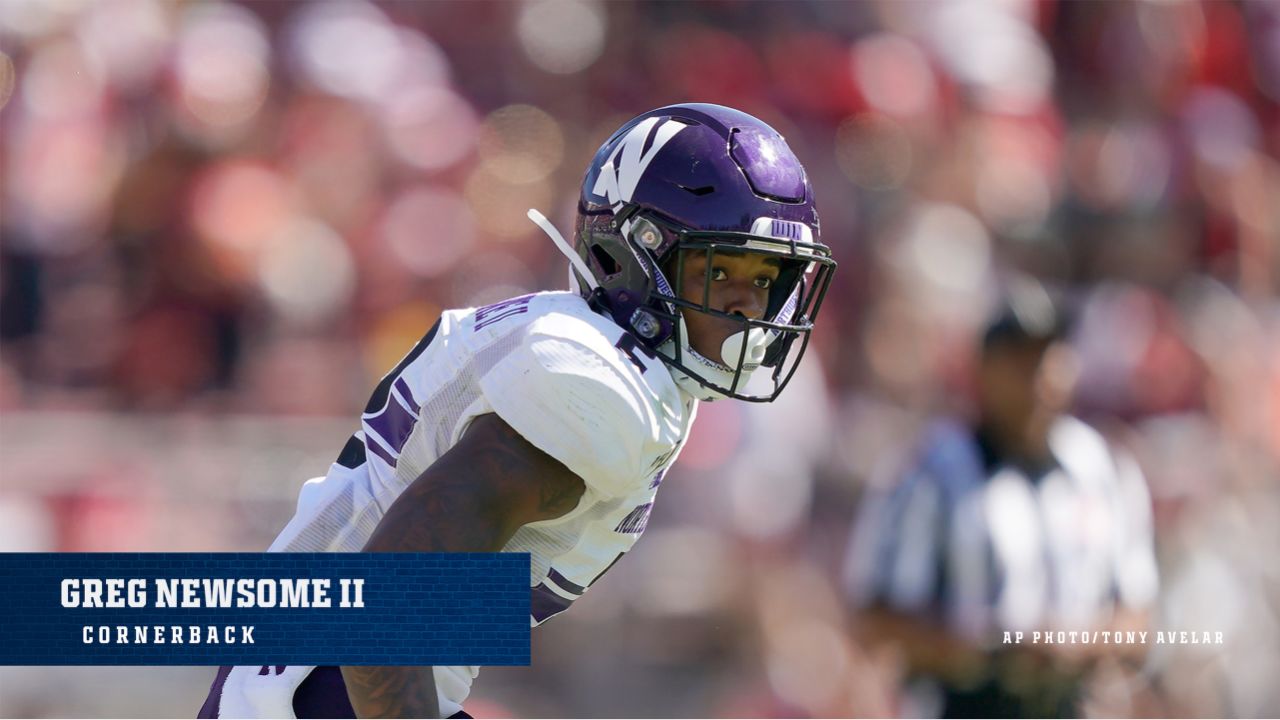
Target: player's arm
[(472, 499)]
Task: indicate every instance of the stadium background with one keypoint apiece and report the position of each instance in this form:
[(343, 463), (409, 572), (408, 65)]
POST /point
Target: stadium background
[(222, 222)]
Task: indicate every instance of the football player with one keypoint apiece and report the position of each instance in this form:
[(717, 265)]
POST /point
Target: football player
[(544, 423)]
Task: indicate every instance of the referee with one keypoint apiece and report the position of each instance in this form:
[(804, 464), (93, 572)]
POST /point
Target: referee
[(1023, 519)]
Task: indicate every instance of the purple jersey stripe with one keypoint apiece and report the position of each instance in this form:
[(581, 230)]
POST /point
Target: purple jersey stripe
[(565, 583), (213, 703), (636, 520), (403, 387), (491, 314), (544, 602), (393, 425), (380, 451), (379, 397)]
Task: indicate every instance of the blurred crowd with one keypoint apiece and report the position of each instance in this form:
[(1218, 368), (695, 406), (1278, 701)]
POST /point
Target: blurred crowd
[(221, 223)]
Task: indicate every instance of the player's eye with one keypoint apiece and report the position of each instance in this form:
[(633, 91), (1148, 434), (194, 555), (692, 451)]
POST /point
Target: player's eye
[(719, 274), (764, 282)]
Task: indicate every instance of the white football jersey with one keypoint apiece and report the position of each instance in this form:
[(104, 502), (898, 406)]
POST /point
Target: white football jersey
[(571, 382)]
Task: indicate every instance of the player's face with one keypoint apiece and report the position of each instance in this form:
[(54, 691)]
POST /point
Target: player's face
[(739, 285)]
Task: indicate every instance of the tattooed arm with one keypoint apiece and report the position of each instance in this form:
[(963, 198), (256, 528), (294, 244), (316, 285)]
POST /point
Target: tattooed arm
[(472, 499)]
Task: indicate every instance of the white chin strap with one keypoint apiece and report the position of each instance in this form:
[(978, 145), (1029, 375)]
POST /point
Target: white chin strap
[(575, 262), (717, 373)]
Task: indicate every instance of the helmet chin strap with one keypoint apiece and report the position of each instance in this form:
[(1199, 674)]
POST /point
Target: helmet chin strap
[(563, 246), (691, 384), (717, 373)]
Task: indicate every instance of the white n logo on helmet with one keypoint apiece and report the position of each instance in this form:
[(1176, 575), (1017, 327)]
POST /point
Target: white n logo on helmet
[(621, 172)]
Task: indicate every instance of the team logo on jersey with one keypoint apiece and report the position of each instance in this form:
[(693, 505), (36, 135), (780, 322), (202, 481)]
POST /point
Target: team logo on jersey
[(621, 172)]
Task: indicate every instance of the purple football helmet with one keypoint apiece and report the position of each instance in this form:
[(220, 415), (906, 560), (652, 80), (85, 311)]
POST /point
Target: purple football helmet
[(699, 178)]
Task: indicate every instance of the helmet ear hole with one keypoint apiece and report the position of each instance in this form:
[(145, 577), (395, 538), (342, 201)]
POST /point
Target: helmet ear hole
[(608, 266)]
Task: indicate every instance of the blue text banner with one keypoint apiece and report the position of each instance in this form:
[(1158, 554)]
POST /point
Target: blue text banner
[(264, 609)]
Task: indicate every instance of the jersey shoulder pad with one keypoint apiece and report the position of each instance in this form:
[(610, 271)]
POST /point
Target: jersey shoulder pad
[(574, 387)]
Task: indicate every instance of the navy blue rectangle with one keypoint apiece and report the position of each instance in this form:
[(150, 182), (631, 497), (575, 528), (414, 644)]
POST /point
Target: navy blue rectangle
[(419, 609)]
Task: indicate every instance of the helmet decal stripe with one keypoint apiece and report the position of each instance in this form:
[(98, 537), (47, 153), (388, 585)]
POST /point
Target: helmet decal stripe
[(786, 229), (626, 164)]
